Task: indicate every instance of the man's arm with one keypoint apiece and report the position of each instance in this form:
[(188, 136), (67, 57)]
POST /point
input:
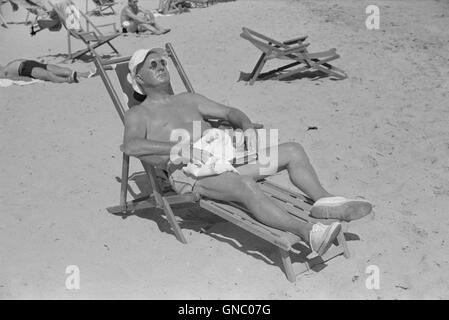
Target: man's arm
[(133, 16), (147, 14), (212, 109), (134, 141), (237, 118)]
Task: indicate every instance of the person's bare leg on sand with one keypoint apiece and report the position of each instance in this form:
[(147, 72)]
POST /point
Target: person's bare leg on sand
[(42, 74), (66, 72)]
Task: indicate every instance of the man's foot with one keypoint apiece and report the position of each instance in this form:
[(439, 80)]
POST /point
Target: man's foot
[(340, 208), (74, 77), (88, 74), (165, 31), (322, 236)]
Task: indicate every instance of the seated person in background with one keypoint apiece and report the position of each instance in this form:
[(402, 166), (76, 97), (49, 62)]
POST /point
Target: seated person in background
[(150, 125), (173, 6), (134, 19), (16, 69)]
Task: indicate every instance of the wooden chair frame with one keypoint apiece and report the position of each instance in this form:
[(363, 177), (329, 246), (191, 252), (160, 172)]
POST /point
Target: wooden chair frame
[(101, 6), (295, 203), (293, 49), (92, 39)]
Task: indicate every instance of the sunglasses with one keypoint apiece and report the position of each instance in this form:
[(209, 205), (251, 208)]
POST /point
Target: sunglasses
[(155, 63)]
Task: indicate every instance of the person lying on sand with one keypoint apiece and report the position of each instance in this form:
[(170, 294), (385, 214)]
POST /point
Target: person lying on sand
[(147, 136), (32, 69), (135, 19), (173, 6)]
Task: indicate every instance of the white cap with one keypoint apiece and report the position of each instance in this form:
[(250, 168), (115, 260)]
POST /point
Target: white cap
[(137, 58)]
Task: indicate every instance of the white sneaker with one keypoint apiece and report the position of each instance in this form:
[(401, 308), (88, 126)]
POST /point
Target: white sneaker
[(340, 208), (322, 236)]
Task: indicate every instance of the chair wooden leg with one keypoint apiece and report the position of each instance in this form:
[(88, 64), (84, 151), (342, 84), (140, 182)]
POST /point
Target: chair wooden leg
[(172, 220), (69, 45), (124, 183), (287, 263), (257, 69), (3, 21), (113, 48), (27, 17), (342, 242)]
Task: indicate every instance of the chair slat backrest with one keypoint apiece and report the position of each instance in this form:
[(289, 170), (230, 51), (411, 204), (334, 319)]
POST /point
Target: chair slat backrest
[(251, 34)]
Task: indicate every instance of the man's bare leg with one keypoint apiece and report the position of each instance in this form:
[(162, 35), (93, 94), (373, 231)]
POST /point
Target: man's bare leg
[(148, 27), (65, 72), (244, 189), (291, 156), (158, 27), (42, 74)]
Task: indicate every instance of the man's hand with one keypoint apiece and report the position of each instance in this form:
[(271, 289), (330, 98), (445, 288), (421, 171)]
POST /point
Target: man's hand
[(149, 17), (189, 153), (200, 155)]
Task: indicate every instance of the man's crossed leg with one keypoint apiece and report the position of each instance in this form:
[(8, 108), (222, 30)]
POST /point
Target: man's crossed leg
[(243, 188)]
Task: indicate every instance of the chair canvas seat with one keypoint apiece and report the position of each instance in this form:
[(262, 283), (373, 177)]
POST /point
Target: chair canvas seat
[(295, 203)]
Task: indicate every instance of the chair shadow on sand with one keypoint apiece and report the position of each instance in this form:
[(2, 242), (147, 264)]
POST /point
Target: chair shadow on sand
[(194, 218), (313, 75)]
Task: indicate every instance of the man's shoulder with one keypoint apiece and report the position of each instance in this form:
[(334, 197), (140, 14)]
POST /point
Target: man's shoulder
[(135, 113), (188, 96), (126, 9)]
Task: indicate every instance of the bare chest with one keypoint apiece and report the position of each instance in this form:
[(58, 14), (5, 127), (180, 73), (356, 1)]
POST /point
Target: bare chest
[(162, 123)]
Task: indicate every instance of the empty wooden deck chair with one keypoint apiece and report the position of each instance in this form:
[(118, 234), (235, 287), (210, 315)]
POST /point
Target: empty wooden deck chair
[(32, 7), (101, 6), (294, 50), (70, 17), (163, 198)]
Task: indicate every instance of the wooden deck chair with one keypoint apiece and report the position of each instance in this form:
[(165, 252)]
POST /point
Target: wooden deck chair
[(294, 50), (101, 6), (2, 19), (295, 203), (70, 17), (36, 8)]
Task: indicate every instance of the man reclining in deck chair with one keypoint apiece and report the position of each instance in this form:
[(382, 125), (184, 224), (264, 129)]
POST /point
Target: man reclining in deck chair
[(148, 136), (135, 19)]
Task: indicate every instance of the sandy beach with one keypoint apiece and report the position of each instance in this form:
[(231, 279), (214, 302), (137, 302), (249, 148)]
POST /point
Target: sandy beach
[(382, 133)]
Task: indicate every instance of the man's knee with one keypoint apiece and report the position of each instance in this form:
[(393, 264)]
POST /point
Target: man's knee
[(247, 189), (296, 152)]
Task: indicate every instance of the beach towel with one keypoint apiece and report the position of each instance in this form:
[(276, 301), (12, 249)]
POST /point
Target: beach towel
[(219, 144), (8, 82)]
